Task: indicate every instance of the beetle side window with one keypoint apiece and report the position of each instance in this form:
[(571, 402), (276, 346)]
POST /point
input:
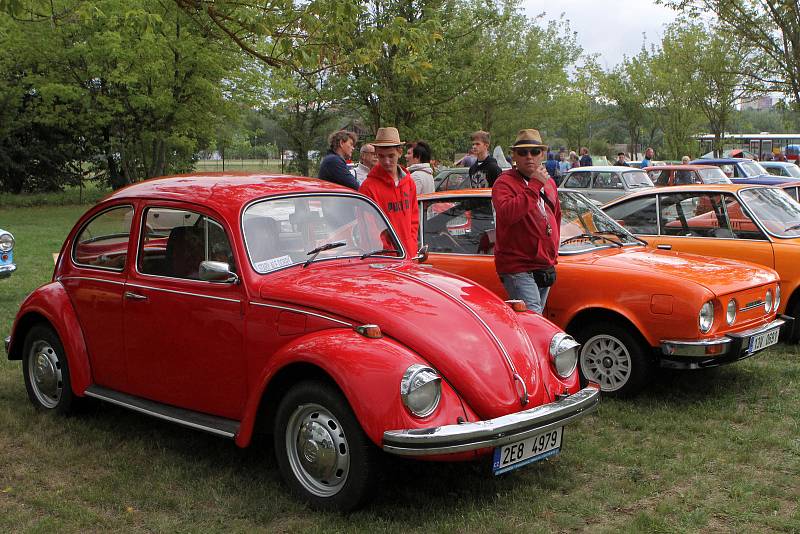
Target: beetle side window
[(174, 243), (459, 226), (103, 242), (636, 215), (578, 180)]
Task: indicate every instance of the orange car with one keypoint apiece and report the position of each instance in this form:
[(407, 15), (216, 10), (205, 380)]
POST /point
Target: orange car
[(632, 308), (739, 221)]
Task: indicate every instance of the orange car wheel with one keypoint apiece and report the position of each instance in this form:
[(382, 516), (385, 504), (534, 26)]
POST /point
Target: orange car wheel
[(615, 358)]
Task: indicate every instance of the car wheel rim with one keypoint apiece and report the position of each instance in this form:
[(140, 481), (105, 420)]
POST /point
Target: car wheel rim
[(318, 451), (607, 361), (44, 371)]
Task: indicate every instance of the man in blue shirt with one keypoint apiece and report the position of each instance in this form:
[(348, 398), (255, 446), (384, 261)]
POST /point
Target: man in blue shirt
[(333, 167), (648, 156)]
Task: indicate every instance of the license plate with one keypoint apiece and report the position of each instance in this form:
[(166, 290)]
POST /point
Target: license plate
[(762, 341), (526, 451)]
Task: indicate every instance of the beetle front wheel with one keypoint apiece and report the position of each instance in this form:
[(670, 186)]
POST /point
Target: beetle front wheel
[(44, 365)]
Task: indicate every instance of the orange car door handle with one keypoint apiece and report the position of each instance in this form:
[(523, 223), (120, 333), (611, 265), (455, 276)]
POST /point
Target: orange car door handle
[(134, 296), (664, 247)]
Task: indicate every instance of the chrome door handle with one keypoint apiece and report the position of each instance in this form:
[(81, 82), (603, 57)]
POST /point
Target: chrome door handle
[(134, 296), (664, 247)]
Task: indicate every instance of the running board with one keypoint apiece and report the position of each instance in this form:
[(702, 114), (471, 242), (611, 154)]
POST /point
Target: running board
[(208, 423)]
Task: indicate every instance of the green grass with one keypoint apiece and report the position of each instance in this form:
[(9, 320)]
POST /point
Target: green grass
[(715, 450)]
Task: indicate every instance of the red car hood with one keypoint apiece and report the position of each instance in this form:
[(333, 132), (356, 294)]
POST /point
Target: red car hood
[(718, 275), (461, 329)]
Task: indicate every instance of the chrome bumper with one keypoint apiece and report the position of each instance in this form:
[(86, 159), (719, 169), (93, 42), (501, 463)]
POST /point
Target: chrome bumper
[(6, 270), (731, 347), (7, 343), (494, 432)]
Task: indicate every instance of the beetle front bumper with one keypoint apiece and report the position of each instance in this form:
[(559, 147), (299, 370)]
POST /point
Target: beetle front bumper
[(472, 436), (689, 354)]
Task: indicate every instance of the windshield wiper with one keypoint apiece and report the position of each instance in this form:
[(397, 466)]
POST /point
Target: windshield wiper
[(622, 234), (793, 227), (591, 237), (322, 248), (379, 251)]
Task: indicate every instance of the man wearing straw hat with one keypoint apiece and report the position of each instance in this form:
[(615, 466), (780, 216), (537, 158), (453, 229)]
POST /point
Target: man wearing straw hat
[(528, 223), (392, 188)]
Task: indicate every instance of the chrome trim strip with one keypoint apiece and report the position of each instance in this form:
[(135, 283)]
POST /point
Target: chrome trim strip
[(296, 310), (163, 290), (91, 279), (497, 341), (495, 432), (757, 330), (145, 411), (758, 304)]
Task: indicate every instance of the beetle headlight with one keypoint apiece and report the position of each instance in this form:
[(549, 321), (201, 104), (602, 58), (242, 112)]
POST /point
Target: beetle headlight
[(421, 390), (6, 242), (768, 302), (730, 314), (706, 318), (564, 354), (777, 297)]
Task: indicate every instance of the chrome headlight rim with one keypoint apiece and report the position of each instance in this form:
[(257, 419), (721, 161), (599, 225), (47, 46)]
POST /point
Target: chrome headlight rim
[(777, 298), (705, 319), (564, 350), (768, 301), (6, 242), (416, 378), (730, 312)]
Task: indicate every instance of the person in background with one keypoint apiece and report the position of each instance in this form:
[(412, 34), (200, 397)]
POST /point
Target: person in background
[(551, 166), (685, 160), (563, 163), (418, 157), (366, 160), (586, 159), (528, 224), (648, 157), (392, 188), (573, 160), (333, 167), (485, 170), (621, 160)]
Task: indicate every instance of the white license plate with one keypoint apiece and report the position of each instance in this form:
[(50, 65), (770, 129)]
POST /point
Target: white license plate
[(762, 341), (526, 451)]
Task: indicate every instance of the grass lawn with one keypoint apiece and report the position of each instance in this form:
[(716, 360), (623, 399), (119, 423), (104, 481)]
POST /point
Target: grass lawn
[(713, 451)]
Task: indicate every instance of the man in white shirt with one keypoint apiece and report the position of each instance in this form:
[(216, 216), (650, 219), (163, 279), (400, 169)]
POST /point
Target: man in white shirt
[(418, 157), (366, 160)]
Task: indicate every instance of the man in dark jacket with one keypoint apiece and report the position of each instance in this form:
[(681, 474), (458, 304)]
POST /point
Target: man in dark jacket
[(333, 167), (586, 159), (485, 170), (528, 227)]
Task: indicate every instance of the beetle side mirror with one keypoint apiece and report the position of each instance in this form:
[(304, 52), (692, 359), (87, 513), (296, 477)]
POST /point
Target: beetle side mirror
[(422, 255), (217, 271)]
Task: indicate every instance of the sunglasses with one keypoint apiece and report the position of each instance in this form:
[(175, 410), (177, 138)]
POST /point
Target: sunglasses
[(525, 151)]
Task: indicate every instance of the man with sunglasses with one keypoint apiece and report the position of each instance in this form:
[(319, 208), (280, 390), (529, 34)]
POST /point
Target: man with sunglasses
[(528, 224)]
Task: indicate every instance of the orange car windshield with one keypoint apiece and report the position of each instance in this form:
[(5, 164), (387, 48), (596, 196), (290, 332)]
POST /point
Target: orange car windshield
[(775, 210), (585, 227)]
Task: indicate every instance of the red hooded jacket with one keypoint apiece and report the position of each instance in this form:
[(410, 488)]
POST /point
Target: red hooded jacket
[(522, 243), (398, 202)]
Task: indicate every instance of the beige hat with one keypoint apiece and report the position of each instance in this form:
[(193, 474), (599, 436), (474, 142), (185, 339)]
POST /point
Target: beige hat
[(387, 137), (528, 139)]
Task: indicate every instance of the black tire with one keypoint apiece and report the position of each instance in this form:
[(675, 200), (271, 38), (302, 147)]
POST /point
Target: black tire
[(615, 358), (794, 334), (46, 372), (335, 466)]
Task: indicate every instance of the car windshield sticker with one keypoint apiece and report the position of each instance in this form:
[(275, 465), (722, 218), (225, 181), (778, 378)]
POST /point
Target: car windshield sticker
[(273, 263)]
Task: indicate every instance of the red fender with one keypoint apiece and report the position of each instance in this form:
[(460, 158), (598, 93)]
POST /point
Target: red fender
[(367, 371), (52, 302)]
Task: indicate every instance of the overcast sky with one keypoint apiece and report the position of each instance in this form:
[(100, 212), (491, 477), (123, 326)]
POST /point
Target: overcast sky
[(609, 28)]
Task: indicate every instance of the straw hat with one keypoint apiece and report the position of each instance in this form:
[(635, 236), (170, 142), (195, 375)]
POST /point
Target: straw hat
[(528, 139), (387, 137)]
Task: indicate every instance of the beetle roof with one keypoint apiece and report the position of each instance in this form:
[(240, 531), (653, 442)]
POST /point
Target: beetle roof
[(223, 191)]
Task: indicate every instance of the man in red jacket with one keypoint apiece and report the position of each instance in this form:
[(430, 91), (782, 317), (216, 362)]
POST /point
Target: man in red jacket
[(392, 188), (528, 222)]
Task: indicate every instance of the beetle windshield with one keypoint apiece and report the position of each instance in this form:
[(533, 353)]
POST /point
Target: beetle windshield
[(585, 227), (286, 231), (777, 211)]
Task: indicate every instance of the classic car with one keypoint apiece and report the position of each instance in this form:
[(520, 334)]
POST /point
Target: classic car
[(686, 174), (784, 169), (603, 183), (237, 304), (633, 308), (740, 170), (7, 265), (741, 222)]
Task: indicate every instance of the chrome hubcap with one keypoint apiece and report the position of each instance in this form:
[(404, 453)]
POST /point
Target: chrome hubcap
[(44, 369), (318, 451), (606, 360)]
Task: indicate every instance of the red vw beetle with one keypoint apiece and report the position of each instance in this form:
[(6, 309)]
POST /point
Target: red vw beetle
[(246, 303)]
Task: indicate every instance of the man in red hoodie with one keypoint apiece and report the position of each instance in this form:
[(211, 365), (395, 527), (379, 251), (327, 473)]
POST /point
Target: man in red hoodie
[(392, 188), (528, 224)]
